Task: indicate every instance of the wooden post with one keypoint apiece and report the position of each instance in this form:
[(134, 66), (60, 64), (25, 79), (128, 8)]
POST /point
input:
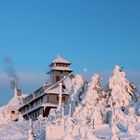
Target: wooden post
[(60, 95)]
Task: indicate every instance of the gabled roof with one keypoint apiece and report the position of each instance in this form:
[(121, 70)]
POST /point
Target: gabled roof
[(59, 59)]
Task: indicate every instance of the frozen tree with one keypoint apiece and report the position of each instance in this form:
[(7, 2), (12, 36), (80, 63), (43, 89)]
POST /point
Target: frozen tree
[(132, 119), (76, 93), (54, 117), (40, 127), (89, 111), (30, 133), (93, 105), (121, 90), (120, 98), (94, 90)]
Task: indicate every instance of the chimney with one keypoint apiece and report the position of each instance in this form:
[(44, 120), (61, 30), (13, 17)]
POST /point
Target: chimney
[(14, 88)]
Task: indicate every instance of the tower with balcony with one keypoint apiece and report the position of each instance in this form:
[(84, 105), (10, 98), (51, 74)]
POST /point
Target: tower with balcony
[(59, 68)]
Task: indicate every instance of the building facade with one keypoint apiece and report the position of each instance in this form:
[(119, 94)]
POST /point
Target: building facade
[(47, 96)]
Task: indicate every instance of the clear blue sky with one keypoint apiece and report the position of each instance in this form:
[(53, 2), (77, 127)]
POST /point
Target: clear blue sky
[(92, 34)]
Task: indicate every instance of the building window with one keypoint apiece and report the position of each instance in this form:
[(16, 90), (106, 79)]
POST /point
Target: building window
[(57, 78), (57, 98), (64, 98), (64, 65), (13, 112), (61, 72)]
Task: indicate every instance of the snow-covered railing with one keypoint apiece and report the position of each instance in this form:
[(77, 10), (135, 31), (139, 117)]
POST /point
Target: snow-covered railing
[(37, 107), (31, 97)]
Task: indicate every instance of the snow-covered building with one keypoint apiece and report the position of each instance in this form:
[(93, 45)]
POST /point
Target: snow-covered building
[(47, 96)]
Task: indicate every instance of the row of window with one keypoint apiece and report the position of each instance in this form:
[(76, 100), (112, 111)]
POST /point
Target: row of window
[(43, 100), (61, 64), (63, 98), (34, 104)]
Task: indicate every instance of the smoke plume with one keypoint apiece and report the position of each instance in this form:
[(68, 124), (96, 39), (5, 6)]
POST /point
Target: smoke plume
[(10, 70)]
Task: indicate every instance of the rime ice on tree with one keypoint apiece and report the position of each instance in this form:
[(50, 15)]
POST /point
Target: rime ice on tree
[(120, 97), (121, 90), (76, 93), (31, 134), (92, 107)]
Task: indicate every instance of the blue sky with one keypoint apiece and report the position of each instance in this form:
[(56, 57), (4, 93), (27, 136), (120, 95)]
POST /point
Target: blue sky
[(92, 34)]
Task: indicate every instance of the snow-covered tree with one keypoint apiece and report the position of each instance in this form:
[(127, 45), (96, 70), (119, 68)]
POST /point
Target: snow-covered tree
[(120, 99), (132, 119), (121, 90), (89, 112), (55, 116), (30, 132), (92, 107), (76, 93)]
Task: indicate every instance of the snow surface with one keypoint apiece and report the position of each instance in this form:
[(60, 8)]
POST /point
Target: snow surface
[(90, 114)]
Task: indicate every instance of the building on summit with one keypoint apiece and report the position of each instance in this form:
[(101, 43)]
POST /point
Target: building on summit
[(47, 96), (59, 69)]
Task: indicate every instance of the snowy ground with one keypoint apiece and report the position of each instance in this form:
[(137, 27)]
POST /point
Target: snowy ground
[(13, 131)]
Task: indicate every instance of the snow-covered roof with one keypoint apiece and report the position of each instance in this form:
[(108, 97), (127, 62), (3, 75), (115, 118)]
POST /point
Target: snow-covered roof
[(61, 68), (55, 90), (24, 95), (14, 103), (59, 59), (49, 105)]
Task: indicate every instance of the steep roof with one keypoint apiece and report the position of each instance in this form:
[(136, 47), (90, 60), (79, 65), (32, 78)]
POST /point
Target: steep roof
[(59, 59)]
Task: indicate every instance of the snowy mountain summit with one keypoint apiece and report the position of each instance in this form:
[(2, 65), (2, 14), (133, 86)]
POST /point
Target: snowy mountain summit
[(91, 113)]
